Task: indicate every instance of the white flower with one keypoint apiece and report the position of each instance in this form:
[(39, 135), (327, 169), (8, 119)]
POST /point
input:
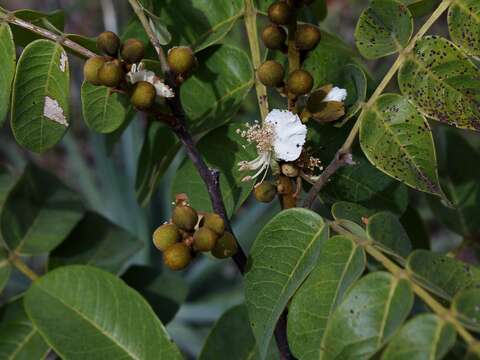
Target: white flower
[(138, 73), (336, 94), (281, 137)]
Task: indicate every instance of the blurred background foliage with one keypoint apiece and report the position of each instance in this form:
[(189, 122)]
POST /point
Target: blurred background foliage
[(104, 173)]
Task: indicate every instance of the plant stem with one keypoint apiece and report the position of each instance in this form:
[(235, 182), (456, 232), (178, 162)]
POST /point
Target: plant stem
[(61, 39), (346, 148), (250, 18), (16, 261), (401, 273)]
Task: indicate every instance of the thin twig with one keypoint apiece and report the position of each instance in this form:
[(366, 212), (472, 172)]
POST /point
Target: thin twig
[(346, 148), (16, 261)]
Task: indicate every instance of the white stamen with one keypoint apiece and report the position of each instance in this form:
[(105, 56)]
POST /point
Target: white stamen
[(53, 111)]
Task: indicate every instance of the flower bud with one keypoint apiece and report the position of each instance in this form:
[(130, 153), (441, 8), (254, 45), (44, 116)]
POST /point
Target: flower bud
[(108, 42), (290, 170), (326, 104), (265, 192), (204, 239), (143, 95), (307, 37), (225, 247), (177, 256), (90, 69), (271, 73), (214, 222), (181, 59), (280, 13), (133, 51), (185, 217), (299, 82), (165, 236), (274, 37), (111, 74)]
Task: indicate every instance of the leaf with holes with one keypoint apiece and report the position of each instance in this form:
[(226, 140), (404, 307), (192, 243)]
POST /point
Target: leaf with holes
[(19, 339), (39, 212), (84, 312), (368, 317), (8, 57), (40, 96), (222, 149), (442, 83), (464, 25), (398, 141), (426, 336), (199, 23), (282, 256), (384, 28), (339, 265), (103, 110)]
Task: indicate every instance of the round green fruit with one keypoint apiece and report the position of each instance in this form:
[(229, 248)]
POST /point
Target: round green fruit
[(185, 217), (108, 42), (165, 236), (181, 59), (271, 73), (274, 37), (265, 192), (143, 95), (307, 37), (280, 13), (133, 51), (177, 256), (214, 222), (90, 69), (225, 247), (111, 74), (204, 239), (300, 82)]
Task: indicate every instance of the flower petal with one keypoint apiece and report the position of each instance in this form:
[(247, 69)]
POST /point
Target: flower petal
[(336, 94)]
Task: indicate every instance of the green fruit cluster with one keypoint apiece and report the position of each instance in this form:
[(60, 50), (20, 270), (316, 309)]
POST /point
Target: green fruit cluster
[(181, 60), (275, 37), (188, 234)]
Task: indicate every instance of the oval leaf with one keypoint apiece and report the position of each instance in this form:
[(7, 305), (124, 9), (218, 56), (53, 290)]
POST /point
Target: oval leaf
[(103, 110), (426, 336), (387, 232), (351, 211), (282, 256), (339, 265), (222, 149), (355, 82), (8, 57), (384, 28), (442, 274), (40, 96), (84, 312), (442, 83), (464, 25), (398, 141), (5, 269), (217, 88), (466, 307), (39, 212), (420, 7), (371, 313)]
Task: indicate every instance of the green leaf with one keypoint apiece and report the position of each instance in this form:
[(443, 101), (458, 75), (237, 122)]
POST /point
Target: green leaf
[(39, 213), (19, 339), (40, 96), (222, 149), (96, 241), (415, 227), (197, 23), (158, 151), (398, 140), (339, 265), (442, 274), (371, 313), (53, 21), (442, 83), (466, 307), (232, 335), (351, 211), (282, 256), (7, 181), (355, 82), (5, 268), (426, 336), (386, 230), (384, 28), (164, 292), (420, 8), (464, 25), (8, 58), (84, 312), (103, 110), (217, 88)]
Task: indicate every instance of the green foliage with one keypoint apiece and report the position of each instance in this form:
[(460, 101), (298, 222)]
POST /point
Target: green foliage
[(5, 268), (7, 59), (465, 307), (464, 25), (53, 21), (387, 231)]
